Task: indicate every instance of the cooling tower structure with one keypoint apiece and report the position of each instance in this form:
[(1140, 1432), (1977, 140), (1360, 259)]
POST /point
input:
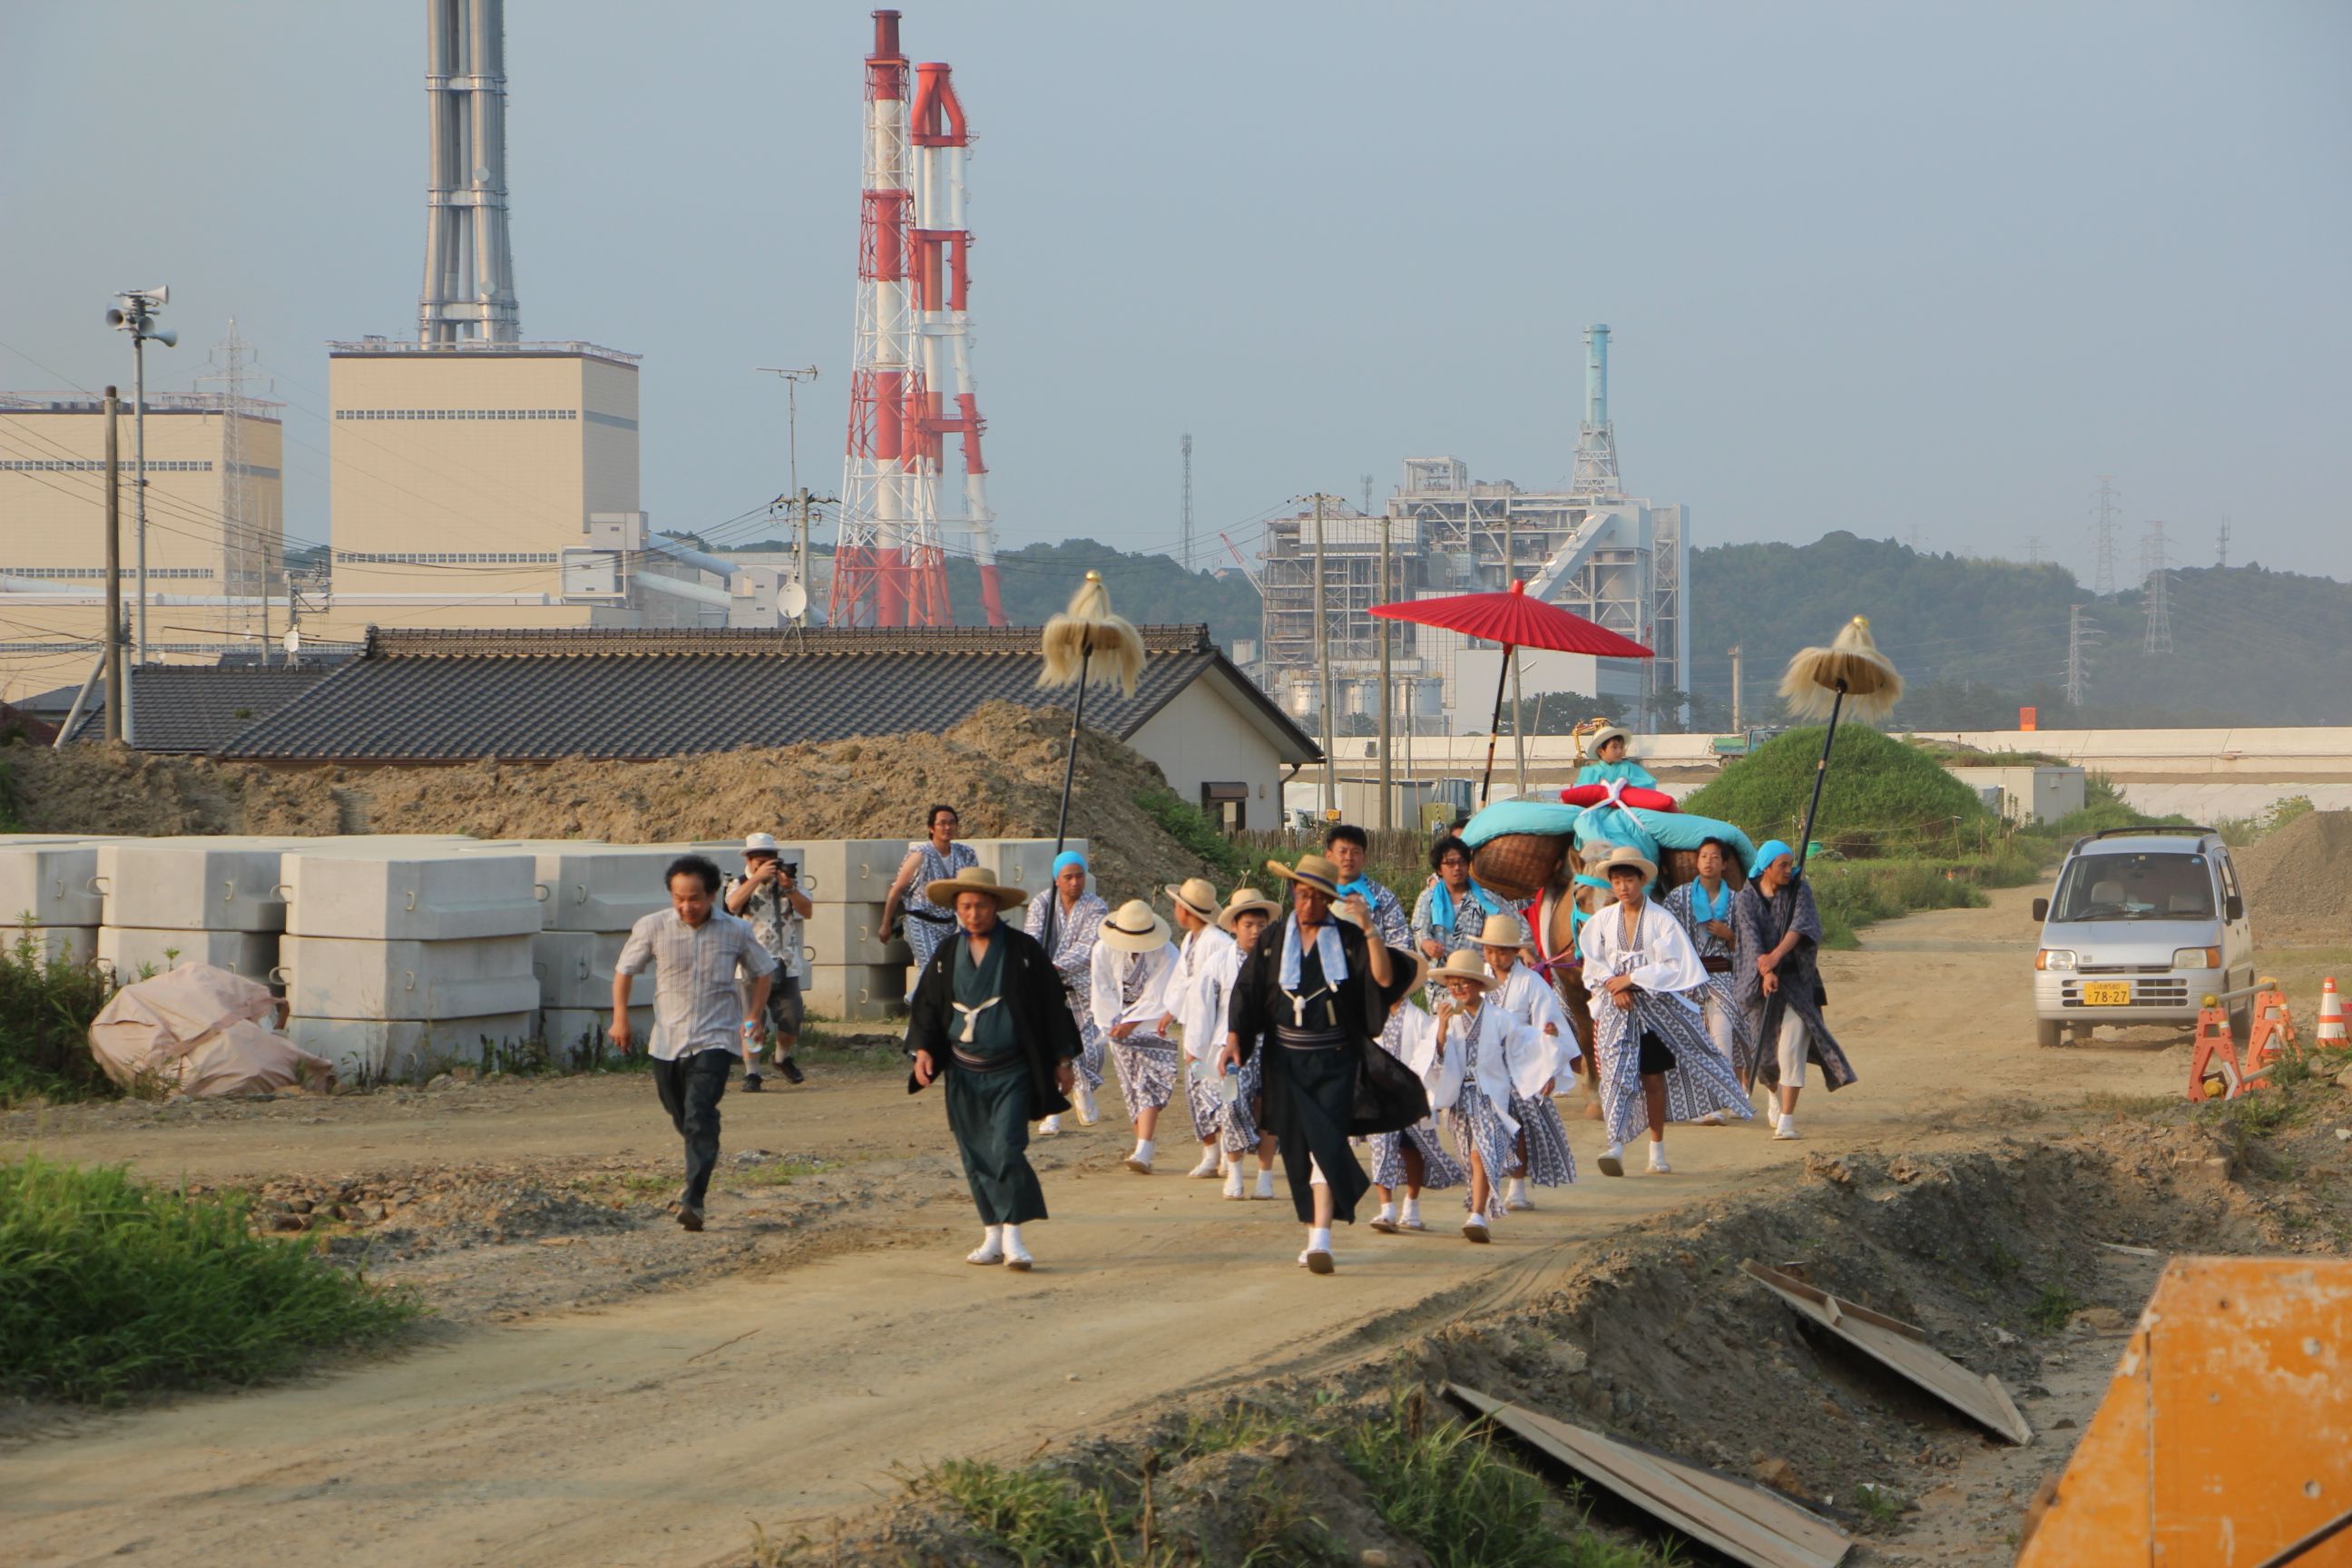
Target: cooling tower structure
[(469, 295), (911, 386)]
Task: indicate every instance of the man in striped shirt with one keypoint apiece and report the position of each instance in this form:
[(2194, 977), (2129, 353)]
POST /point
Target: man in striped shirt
[(699, 1022)]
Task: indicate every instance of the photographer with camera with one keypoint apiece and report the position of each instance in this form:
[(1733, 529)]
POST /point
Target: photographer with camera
[(768, 894)]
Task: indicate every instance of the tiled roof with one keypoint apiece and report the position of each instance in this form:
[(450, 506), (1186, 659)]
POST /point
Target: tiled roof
[(197, 707), (523, 696)]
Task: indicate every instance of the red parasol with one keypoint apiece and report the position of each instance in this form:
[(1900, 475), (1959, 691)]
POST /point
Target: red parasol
[(1515, 621)]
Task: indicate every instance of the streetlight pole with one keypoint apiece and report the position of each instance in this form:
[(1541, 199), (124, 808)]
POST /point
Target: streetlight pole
[(135, 314)]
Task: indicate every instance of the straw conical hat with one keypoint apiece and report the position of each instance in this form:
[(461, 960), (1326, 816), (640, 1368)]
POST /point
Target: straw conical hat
[(1503, 931), (1196, 894), (972, 879), (1464, 964), (1244, 901)]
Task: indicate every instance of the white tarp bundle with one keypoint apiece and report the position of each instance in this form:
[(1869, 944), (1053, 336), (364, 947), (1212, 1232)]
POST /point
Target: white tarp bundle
[(200, 1031)]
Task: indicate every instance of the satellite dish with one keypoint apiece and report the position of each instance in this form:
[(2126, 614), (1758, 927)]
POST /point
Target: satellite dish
[(793, 599), (292, 641)]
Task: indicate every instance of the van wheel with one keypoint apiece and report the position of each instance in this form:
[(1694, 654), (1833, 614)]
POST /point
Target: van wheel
[(2048, 1033)]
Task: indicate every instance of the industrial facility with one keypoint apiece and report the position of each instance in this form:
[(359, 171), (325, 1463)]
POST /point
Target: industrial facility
[(1615, 559)]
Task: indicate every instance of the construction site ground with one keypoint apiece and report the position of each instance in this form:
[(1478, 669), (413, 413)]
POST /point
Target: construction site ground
[(596, 1386)]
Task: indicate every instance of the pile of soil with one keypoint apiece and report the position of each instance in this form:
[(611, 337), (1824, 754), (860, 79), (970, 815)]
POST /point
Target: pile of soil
[(1000, 768), (2298, 880)]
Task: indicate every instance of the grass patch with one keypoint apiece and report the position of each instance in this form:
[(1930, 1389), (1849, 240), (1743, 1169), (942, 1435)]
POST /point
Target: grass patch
[(1883, 796), (2053, 1309), (110, 1287), (46, 1009), (778, 1173), (1882, 1506), (1441, 1483)]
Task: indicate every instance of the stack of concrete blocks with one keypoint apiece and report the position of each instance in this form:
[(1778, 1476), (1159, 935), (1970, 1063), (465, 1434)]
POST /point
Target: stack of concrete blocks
[(401, 956), (49, 897), (1024, 863), (594, 894), (201, 899), (852, 971)]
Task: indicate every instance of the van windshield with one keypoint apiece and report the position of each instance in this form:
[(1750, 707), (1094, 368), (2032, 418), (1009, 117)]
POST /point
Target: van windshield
[(2144, 886)]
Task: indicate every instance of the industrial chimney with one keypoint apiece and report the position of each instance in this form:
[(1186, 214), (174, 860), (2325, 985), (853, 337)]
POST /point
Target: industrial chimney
[(1596, 445), (469, 293)]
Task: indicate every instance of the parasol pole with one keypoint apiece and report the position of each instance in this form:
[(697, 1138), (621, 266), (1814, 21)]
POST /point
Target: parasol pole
[(1494, 729), (1070, 774), (1072, 639), (1820, 774)]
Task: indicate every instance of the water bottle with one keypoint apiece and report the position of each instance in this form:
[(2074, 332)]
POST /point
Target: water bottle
[(1232, 1086)]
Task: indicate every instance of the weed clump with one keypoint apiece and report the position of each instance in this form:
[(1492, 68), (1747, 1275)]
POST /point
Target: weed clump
[(45, 1008), (110, 1287)]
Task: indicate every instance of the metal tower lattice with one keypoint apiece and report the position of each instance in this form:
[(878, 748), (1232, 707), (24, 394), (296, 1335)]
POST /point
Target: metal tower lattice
[(243, 560), (1596, 444), (469, 293), (2103, 538), (2221, 549), (1186, 445), (2082, 634), (2156, 568)]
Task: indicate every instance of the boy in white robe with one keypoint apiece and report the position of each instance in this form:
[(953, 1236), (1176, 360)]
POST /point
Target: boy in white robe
[(1544, 1154), (1478, 1061), (1199, 995), (1132, 967)]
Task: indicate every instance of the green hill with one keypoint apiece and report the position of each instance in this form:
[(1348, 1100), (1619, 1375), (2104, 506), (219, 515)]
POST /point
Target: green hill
[(1038, 580), (1881, 793), (1977, 639)]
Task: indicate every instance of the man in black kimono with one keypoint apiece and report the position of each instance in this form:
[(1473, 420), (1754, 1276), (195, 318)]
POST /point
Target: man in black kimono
[(1314, 995), (989, 1018)]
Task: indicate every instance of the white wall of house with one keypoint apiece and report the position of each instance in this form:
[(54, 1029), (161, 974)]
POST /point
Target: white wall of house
[(1200, 737)]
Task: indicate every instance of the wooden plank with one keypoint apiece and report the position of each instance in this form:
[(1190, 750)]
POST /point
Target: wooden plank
[(1745, 1523), (1902, 1349)]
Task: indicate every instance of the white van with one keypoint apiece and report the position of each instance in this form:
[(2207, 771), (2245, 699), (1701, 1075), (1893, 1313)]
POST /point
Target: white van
[(2146, 922)]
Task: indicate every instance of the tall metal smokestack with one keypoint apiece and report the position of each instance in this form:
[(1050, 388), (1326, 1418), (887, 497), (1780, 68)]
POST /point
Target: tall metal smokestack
[(469, 294), (1596, 445)]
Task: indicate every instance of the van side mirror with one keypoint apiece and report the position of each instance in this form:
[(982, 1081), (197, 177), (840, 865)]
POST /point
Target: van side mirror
[(2041, 909), (2234, 906)]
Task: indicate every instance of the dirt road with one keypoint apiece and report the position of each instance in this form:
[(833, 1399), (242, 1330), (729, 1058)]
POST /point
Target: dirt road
[(657, 1430)]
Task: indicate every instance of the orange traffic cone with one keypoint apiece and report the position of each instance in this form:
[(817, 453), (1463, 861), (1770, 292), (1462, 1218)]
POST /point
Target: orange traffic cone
[(2332, 1035)]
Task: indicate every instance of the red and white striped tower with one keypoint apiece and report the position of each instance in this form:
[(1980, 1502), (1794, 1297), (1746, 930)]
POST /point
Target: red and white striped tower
[(942, 253), (882, 517)]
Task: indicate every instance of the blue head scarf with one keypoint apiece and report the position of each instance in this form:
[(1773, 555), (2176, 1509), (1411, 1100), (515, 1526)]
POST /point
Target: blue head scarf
[(1067, 858), (1772, 850)]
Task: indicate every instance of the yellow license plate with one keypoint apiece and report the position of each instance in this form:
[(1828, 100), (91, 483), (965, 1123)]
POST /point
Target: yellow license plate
[(2106, 994)]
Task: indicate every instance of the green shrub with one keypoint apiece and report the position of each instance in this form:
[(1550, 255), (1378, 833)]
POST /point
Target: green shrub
[(46, 1009), (109, 1288), (1194, 832), (1882, 795)]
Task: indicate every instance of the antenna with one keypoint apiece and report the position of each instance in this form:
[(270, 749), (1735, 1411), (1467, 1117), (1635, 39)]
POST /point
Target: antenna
[(2222, 552)]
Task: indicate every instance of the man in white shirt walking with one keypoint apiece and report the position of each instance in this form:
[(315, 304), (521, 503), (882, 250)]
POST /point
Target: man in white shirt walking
[(694, 948)]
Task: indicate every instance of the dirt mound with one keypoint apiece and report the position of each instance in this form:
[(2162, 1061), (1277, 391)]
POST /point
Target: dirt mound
[(2298, 880), (1000, 768)]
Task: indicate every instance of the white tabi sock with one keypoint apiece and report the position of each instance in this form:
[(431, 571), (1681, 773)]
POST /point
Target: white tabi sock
[(1265, 1165), (1388, 1212), (991, 1235), (1410, 1210), (1319, 1240), (1143, 1149)]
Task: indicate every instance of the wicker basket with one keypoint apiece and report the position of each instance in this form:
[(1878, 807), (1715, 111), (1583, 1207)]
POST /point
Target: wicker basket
[(1518, 865), (1677, 867)]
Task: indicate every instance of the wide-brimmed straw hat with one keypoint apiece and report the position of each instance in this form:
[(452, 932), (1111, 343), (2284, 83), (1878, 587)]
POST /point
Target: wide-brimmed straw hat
[(1196, 894), (1601, 737), (1313, 870), (1463, 965), (1244, 900), (1505, 929), (1619, 857), (1135, 929), (972, 879)]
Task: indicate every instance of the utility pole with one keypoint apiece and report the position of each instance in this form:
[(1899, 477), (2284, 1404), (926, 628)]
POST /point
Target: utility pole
[(2103, 539), (1323, 668), (2155, 563), (2082, 632), (118, 698), (1388, 730), (135, 314), (799, 496), (2033, 550), (1733, 650), (1519, 711), (2221, 555)]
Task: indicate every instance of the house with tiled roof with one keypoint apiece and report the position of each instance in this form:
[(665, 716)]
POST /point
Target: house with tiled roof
[(453, 696)]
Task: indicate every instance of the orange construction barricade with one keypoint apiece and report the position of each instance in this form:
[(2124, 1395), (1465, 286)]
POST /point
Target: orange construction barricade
[(2273, 1025), (2216, 1057)]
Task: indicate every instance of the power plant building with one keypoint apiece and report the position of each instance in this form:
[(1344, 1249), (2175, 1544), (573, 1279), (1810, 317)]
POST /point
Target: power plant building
[(1617, 560)]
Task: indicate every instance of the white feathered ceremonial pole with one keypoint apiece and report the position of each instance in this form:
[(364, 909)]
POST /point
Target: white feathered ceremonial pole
[(1823, 682), (1086, 645)]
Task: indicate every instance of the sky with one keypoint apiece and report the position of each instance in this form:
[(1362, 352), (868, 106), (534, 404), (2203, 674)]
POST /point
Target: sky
[(1923, 271)]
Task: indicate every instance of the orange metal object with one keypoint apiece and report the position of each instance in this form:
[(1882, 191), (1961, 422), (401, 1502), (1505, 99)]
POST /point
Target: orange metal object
[(2226, 1436), (2273, 1022), (2213, 1041)]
